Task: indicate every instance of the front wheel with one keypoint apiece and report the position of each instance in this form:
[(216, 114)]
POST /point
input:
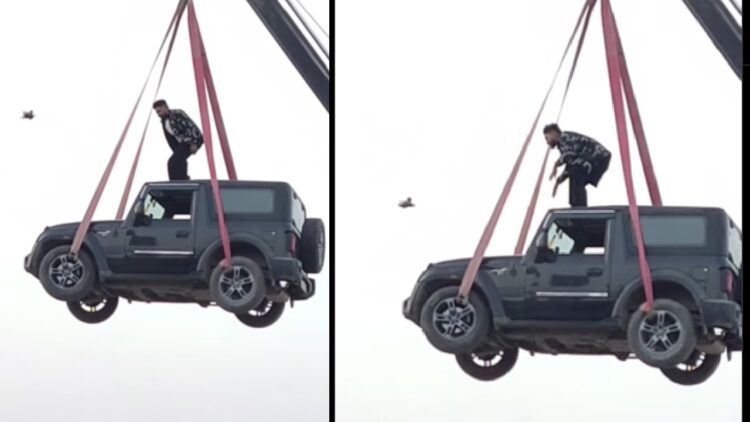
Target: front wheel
[(454, 327), (239, 287), (664, 337), (488, 366), (264, 315), (696, 369), (93, 311), (65, 277)]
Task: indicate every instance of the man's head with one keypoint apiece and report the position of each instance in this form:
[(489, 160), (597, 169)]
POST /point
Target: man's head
[(552, 134), (161, 108)]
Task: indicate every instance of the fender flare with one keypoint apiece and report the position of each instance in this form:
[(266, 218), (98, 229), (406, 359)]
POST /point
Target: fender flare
[(659, 277), (484, 286), (250, 239), (90, 245)]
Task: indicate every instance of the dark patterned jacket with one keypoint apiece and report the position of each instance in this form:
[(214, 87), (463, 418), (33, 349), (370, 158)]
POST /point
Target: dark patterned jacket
[(577, 149), (184, 130)]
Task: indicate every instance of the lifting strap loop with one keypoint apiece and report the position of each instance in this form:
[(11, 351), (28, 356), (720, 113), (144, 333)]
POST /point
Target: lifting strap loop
[(200, 79), (136, 159), (540, 178), (86, 221), (473, 267), (614, 63)]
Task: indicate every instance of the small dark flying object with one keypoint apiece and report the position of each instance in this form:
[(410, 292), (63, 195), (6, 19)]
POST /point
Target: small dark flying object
[(28, 114), (406, 203)]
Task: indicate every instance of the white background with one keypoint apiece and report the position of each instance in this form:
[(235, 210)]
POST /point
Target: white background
[(80, 64), (434, 101)]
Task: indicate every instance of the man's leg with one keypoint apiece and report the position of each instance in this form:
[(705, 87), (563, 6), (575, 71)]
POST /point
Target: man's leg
[(177, 166), (577, 187)]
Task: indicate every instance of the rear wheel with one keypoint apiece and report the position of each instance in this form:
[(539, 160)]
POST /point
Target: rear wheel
[(488, 366), (67, 278), (313, 245), (664, 337), (264, 315), (696, 369), (239, 287), (453, 327), (93, 311)]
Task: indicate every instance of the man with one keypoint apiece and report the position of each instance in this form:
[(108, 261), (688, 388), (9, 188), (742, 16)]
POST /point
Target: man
[(585, 162), (183, 136)]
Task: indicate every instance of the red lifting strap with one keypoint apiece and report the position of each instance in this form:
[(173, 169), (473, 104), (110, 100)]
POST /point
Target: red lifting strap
[(200, 79), (635, 120), (476, 260), (614, 63), (535, 195), (86, 222), (214, 100), (134, 166)]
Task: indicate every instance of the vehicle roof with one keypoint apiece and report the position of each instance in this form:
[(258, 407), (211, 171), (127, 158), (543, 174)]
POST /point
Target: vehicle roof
[(254, 183), (646, 208)]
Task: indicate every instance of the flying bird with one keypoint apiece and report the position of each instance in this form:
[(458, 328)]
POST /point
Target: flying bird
[(28, 114), (406, 203)]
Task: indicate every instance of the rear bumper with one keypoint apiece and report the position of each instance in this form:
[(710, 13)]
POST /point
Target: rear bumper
[(725, 314), (290, 269)]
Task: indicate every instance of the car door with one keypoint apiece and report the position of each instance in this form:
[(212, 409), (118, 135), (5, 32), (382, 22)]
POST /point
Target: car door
[(160, 237), (569, 280)]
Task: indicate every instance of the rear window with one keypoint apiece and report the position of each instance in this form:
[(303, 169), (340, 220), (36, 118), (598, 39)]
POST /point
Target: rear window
[(674, 231), (248, 200), (735, 244)]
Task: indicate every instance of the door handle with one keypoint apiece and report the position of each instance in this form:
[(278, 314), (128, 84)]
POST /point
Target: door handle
[(183, 233), (594, 272)]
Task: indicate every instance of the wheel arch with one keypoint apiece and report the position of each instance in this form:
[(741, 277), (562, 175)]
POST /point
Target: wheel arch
[(668, 284), (241, 245), (89, 245), (486, 291)]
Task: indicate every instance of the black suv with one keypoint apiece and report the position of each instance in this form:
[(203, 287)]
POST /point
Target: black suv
[(578, 290), (168, 249)]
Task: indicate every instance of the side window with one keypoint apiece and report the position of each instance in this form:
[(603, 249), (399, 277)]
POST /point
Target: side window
[(164, 204), (571, 236), (248, 200), (674, 230)]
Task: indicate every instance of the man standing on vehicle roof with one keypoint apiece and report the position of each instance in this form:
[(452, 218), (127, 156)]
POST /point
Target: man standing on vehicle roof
[(585, 162), (183, 136)]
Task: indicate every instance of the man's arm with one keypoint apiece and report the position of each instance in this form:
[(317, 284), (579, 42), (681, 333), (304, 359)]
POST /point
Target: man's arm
[(187, 131)]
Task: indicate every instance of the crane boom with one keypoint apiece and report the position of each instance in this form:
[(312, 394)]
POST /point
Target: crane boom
[(722, 28), (296, 47)]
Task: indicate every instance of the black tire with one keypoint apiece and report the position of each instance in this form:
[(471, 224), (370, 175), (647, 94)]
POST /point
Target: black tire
[(313, 246), (696, 369), (238, 288), (441, 308), (93, 311), (663, 338), (488, 366), (65, 278), (263, 315)]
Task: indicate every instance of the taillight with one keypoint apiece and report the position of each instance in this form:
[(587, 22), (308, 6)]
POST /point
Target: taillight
[(728, 281), (292, 243)]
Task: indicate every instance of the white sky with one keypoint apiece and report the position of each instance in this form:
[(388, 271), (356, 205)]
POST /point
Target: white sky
[(79, 64), (434, 102)]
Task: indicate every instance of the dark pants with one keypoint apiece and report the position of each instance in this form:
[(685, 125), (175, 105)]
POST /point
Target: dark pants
[(577, 196), (177, 164), (580, 177)]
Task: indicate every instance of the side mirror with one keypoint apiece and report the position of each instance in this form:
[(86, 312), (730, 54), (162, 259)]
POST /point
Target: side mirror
[(141, 219), (546, 255)]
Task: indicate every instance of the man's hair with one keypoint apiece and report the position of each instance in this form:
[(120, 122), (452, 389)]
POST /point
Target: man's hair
[(160, 103), (552, 127)]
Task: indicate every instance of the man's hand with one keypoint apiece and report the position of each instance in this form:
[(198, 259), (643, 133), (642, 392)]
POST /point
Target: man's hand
[(193, 148), (554, 172)]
